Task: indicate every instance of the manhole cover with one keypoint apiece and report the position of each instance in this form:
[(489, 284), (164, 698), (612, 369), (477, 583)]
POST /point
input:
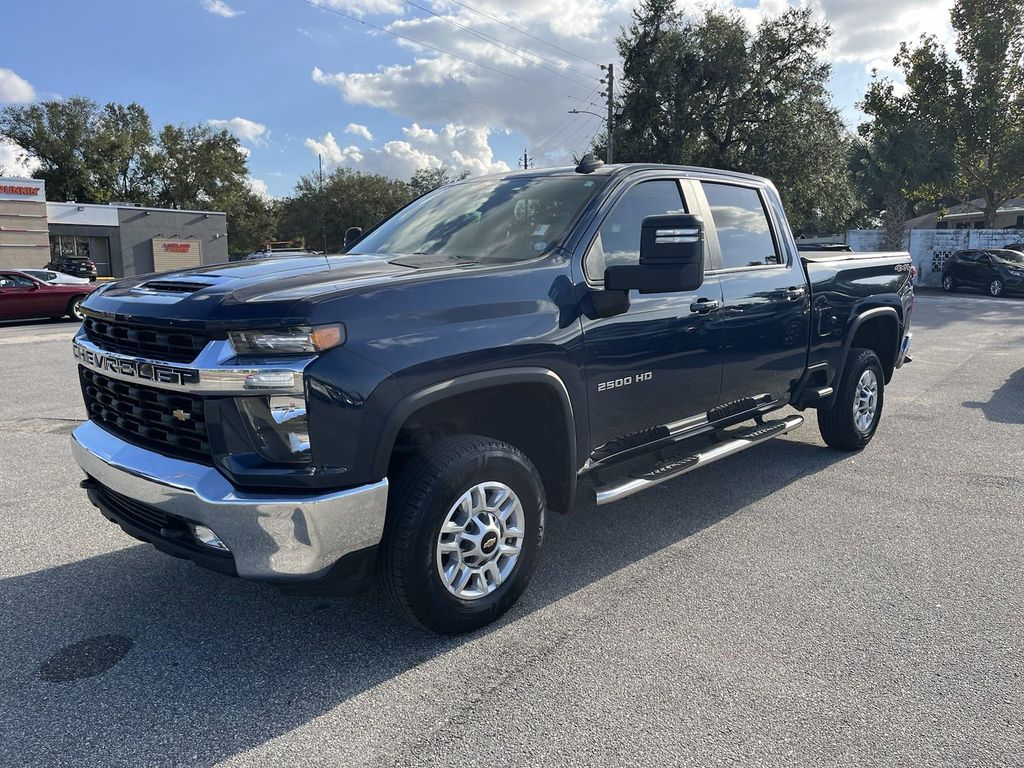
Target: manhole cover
[(86, 658)]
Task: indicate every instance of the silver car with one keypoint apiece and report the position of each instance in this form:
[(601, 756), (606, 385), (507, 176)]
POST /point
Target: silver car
[(52, 276)]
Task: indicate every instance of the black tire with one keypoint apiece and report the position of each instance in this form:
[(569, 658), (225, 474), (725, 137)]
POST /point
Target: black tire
[(837, 424), (948, 283), (996, 288), (423, 493), (74, 311)]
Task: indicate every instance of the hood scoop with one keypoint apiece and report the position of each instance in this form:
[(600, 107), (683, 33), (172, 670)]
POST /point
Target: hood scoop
[(168, 285)]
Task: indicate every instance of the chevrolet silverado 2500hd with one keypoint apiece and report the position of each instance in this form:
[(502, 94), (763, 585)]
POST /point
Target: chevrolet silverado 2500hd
[(417, 405)]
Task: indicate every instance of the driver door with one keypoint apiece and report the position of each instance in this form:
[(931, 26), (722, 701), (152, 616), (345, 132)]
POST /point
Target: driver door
[(21, 296), (656, 368)]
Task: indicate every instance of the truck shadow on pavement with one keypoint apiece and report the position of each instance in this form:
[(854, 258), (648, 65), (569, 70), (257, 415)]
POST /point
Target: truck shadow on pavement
[(1006, 406), (213, 666)]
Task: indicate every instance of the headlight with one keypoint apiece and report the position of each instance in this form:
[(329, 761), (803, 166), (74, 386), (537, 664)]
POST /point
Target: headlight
[(287, 341), (278, 426), (1015, 273)]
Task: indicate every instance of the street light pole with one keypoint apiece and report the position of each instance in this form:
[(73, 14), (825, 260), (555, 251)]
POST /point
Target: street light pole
[(609, 121)]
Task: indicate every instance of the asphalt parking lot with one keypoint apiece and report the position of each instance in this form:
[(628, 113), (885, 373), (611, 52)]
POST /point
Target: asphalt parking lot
[(789, 605)]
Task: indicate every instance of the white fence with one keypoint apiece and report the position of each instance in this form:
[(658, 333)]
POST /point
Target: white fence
[(929, 248)]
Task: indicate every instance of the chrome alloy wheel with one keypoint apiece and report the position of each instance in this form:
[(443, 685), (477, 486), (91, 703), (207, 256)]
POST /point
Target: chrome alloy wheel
[(995, 288), (480, 540), (865, 401)]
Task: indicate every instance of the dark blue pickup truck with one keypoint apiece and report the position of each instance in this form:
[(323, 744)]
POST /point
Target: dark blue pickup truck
[(414, 407)]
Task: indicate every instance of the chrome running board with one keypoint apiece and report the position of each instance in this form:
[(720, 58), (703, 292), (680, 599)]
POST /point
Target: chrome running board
[(681, 466)]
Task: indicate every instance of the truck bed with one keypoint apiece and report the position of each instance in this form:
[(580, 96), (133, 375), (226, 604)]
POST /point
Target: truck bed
[(845, 285)]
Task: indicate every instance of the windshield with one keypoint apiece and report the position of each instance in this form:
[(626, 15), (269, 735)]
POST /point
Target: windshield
[(1010, 256), (487, 220)]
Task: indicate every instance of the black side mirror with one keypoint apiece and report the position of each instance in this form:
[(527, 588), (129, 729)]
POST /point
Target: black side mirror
[(671, 257), (352, 235)]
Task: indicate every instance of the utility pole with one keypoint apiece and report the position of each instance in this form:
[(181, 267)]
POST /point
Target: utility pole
[(525, 161), (609, 81), (323, 202)]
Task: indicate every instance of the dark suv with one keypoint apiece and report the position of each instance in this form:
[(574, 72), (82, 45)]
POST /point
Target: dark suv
[(996, 270), (72, 265)]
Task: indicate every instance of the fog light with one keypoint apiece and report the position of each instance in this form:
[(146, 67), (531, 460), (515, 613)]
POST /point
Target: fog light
[(208, 538)]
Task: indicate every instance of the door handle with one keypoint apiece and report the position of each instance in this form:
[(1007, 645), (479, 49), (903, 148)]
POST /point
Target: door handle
[(704, 306), (794, 293)]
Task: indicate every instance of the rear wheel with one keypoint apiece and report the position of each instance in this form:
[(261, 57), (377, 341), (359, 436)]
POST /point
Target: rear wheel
[(996, 287), (465, 525), (75, 308), (948, 284), (853, 418)]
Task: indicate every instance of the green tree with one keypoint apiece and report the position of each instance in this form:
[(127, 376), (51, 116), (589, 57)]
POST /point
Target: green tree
[(967, 108), (58, 133), (428, 179), (118, 154), (197, 167), (252, 221), (710, 92), (349, 199)]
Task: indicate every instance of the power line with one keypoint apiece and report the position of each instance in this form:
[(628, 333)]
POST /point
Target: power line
[(580, 131), (515, 50), (524, 32), (434, 48), (566, 120)]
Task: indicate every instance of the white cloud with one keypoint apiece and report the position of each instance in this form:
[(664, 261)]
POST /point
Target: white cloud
[(15, 89), (259, 186), (220, 8), (438, 88), (246, 130), (359, 130), (362, 7), (332, 153), (13, 160), (457, 147)]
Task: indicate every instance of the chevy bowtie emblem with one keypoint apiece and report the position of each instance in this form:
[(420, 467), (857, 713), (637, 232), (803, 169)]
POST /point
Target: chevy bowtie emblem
[(181, 415)]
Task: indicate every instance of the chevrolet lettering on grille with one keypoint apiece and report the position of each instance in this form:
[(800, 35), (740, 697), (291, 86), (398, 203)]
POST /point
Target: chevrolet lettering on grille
[(134, 369)]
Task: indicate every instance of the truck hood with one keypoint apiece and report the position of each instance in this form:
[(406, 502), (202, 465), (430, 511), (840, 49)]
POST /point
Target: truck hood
[(255, 292)]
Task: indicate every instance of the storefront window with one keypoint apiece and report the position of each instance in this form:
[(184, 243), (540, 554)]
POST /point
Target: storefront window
[(70, 246)]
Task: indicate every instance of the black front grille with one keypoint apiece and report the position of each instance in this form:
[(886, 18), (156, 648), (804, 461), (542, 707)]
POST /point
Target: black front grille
[(171, 423), (170, 345)]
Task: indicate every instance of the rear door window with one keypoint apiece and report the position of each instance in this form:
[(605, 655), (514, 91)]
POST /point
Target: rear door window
[(744, 232)]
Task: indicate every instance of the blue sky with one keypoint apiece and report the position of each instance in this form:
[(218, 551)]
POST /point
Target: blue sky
[(304, 79)]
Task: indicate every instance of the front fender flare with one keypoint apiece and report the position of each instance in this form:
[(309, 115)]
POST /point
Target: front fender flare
[(442, 390)]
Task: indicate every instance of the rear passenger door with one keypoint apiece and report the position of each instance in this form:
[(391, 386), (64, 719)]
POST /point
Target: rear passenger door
[(765, 316), (967, 268)]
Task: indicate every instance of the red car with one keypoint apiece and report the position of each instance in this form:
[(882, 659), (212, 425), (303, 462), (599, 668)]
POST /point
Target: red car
[(23, 297)]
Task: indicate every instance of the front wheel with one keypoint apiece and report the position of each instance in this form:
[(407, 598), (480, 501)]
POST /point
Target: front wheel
[(465, 526), (996, 287), (851, 421), (948, 284), (75, 308)]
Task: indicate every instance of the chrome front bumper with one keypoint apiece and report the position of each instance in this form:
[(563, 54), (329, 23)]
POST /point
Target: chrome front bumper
[(270, 537)]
